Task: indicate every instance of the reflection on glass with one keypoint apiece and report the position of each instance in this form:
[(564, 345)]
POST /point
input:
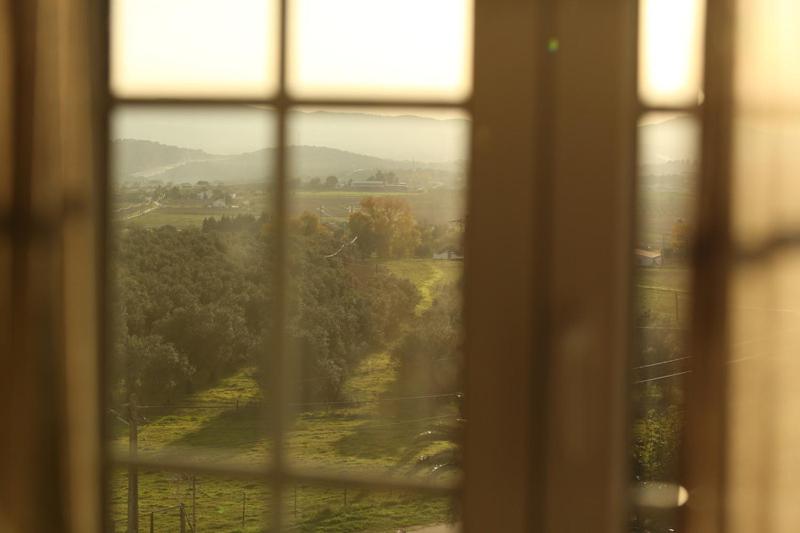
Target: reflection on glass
[(767, 76), (668, 165), (190, 282), (671, 51), (761, 423), (193, 47), (401, 48), (169, 501), (376, 221)]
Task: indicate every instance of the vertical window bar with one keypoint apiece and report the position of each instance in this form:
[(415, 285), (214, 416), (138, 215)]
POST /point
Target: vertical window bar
[(277, 367)]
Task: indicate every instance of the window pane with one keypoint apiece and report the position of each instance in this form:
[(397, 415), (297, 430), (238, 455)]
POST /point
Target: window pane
[(671, 51), (190, 281), (309, 508), (761, 423), (193, 47), (165, 499), (400, 48), (376, 259), (667, 193)]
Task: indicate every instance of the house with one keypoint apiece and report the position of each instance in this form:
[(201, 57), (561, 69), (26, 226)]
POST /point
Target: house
[(648, 257), (448, 254), (367, 185)]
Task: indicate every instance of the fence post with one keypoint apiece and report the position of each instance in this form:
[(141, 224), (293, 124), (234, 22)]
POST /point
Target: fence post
[(183, 518), (295, 501), (194, 512), (133, 471), (244, 505), (345, 498)]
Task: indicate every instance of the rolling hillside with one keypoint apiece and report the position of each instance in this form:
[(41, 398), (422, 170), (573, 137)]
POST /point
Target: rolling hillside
[(137, 159)]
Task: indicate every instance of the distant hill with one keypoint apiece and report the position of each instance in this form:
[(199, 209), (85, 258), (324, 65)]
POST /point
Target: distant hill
[(673, 140), (238, 129), (179, 147), (135, 159)]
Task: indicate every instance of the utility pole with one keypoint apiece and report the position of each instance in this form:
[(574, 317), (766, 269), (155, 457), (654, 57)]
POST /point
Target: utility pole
[(133, 472)]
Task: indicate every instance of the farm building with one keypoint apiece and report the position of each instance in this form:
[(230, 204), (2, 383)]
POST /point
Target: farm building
[(448, 254), (648, 257)]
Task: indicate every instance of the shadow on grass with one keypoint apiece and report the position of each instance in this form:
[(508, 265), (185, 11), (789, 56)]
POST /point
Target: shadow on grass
[(378, 438), (239, 428)]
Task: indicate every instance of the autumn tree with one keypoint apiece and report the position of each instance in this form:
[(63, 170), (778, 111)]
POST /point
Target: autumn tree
[(680, 237), (385, 227)]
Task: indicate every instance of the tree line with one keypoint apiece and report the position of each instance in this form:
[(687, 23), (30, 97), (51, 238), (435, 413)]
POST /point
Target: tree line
[(192, 305)]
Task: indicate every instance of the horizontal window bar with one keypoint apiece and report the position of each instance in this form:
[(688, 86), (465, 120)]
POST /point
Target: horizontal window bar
[(371, 481), (278, 102), (691, 110), (779, 242), (46, 223), (187, 466), (286, 476)]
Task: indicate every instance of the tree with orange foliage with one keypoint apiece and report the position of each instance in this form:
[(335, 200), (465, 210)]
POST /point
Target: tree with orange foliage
[(385, 227)]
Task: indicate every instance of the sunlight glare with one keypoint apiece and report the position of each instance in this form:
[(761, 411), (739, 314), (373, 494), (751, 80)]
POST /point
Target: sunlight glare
[(671, 51)]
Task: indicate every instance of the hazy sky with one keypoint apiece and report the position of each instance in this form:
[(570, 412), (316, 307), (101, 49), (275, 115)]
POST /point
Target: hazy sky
[(402, 48), (410, 48), (671, 51)]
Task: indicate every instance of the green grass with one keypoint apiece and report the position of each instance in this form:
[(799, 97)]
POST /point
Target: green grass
[(663, 293), (436, 207), (426, 274), (377, 437), (181, 218)]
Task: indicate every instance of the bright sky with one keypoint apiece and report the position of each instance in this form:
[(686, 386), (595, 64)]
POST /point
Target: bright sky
[(671, 51), (408, 48)]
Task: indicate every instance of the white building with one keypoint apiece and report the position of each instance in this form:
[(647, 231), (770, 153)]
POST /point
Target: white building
[(648, 257)]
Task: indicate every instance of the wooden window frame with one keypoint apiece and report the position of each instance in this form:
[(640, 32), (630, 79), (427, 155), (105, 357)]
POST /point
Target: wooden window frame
[(547, 339)]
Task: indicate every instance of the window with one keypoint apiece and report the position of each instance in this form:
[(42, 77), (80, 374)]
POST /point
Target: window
[(671, 93), (287, 189), (262, 294)]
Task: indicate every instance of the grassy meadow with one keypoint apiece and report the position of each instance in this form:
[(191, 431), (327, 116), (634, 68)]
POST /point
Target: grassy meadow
[(378, 434), (435, 207)]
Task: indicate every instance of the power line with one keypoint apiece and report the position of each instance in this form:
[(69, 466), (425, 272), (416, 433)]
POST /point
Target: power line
[(648, 380), (668, 361)]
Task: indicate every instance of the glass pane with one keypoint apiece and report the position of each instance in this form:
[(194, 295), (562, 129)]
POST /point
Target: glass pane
[(400, 48), (767, 74), (193, 47), (168, 501), (761, 423), (671, 51), (376, 259), (190, 281), (765, 188), (309, 508), (667, 194)]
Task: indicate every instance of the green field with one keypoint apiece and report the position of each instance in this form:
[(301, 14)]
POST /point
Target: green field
[(435, 207), (663, 293), (225, 423)]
